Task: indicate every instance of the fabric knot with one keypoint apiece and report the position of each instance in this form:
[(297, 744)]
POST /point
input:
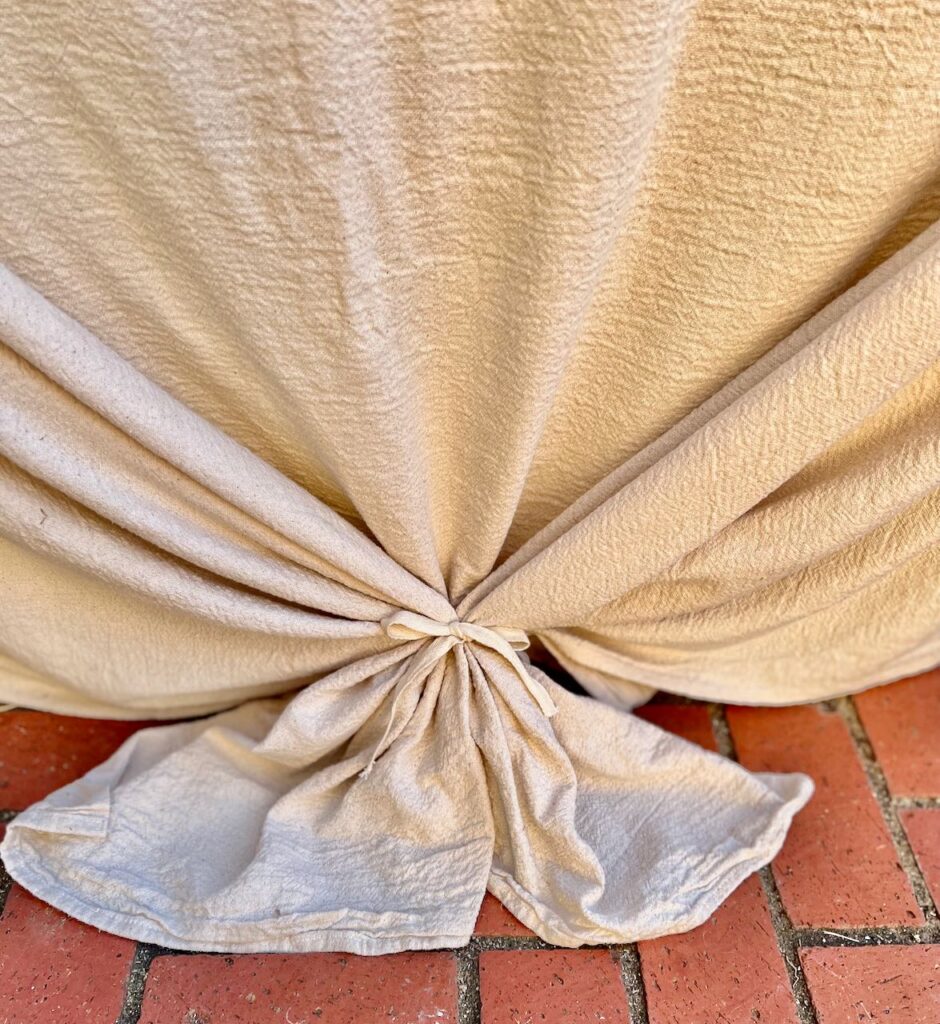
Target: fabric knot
[(406, 625), (504, 640)]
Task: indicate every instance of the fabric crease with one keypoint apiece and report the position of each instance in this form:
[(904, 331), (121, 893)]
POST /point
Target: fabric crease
[(366, 371)]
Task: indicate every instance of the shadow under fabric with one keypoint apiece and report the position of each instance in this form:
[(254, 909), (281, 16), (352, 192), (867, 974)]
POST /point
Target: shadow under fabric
[(275, 466)]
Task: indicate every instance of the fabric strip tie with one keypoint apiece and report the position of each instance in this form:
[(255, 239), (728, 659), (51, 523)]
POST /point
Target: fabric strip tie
[(504, 640)]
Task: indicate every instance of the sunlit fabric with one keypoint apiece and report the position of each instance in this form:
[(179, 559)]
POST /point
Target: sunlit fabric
[(368, 369)]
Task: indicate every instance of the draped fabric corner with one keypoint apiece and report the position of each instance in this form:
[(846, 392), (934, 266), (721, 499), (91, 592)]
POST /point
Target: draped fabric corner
[(349, 357)]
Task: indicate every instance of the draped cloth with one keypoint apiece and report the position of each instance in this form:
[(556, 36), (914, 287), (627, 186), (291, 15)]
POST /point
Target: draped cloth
[(365, 369)]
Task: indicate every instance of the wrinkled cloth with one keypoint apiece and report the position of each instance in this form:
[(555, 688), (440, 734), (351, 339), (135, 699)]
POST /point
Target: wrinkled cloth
[(350, 355)]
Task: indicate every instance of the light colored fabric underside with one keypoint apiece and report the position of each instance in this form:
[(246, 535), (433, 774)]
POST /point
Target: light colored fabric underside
[(347, 349)]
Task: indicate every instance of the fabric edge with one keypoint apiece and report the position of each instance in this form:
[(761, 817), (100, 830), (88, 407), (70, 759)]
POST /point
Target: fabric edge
[(761, 852), (143, 929)]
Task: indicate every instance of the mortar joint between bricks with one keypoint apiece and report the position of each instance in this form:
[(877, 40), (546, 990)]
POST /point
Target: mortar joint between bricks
[(722, 731), (788, 944), (787, 941), (889, 811), (631, 977), (916, 803), (135, 983), (469, 1008), (6, 884), (881, 935)]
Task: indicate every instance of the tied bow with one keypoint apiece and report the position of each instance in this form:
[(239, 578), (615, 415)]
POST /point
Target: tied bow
[(504, 640)]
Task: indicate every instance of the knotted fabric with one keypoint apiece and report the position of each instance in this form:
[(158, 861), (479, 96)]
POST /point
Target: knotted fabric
[(345, 346), (411, 626), (504, 640)]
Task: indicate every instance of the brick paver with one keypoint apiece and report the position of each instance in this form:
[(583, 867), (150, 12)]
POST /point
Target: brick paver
[(54, 970), (332, 988), (923, 831), (690, 721), (552, 986), (40, 752), (890, 984), (838, 877), (728, 969), (838, 866), (902, 720), (495, 919)]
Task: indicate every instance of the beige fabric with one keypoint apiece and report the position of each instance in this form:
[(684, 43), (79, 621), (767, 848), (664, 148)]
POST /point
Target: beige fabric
[(347, 349)]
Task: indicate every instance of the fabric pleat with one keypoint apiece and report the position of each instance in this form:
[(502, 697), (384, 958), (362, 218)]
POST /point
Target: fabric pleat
[(373, 377)]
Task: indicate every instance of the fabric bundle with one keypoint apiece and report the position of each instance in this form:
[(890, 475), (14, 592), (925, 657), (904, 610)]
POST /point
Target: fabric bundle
[(357, 363)]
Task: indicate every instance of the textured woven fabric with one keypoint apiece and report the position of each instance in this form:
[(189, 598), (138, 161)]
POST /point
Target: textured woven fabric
[(357, 362)]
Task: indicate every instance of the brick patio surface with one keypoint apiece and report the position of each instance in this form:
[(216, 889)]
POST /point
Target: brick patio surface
[(843, 927)]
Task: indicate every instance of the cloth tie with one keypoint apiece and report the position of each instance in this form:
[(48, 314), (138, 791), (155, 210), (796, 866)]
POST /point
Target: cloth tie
[(504, 640)]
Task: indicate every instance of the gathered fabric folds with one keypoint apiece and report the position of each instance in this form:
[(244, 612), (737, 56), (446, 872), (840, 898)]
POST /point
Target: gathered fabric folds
[(367, 371)]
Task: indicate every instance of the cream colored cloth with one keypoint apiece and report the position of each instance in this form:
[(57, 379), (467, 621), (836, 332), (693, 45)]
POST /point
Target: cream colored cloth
[(348, 349)]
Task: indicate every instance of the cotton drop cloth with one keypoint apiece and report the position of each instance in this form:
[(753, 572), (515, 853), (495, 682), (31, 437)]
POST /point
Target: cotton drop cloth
[(367, 368)]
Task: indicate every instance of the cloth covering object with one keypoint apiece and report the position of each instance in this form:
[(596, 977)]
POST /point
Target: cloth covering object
[(350, 354)]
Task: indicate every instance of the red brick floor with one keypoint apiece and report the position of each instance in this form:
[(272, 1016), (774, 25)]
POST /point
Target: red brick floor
[(843, 928)]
